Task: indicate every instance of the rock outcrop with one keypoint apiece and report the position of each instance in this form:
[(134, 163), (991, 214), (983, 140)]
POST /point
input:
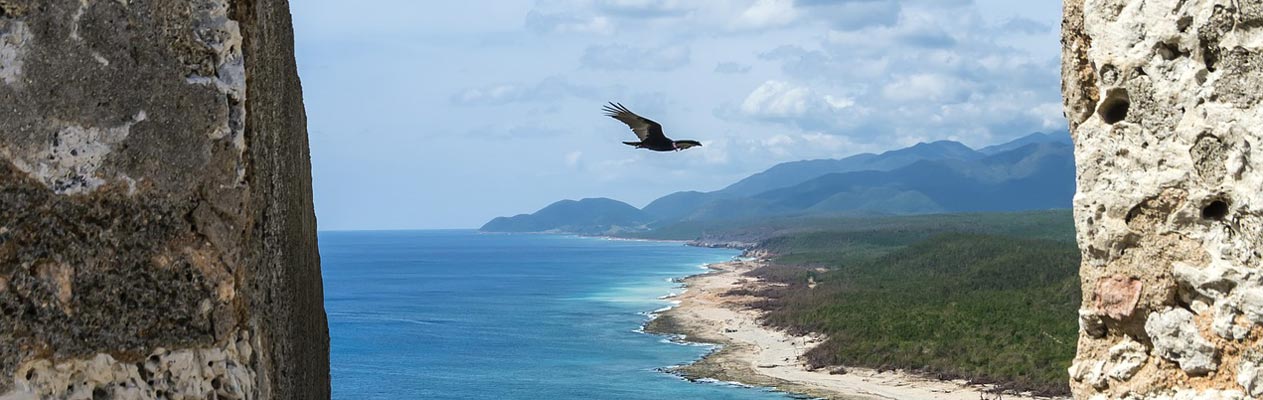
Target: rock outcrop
[(157, 235), (1163, 99)]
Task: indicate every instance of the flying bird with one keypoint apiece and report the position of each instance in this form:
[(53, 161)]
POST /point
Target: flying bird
[(649, 132)]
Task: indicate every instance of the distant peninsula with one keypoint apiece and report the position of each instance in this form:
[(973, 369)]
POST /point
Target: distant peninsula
[(587, 216)]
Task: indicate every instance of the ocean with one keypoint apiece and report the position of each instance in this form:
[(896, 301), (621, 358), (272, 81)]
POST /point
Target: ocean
[(463, 315)]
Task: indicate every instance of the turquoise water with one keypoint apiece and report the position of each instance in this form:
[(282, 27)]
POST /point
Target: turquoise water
[(462, 315)]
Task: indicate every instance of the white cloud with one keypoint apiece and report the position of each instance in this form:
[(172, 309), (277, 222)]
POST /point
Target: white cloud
[(926, 86), (852, 14), (838, 103), (780, 101), (777, 99), (568, 23), (1050, 114), (767, 14), (937, 70)]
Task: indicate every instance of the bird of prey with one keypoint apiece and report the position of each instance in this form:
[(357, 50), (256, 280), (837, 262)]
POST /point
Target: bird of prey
[(649, 132)]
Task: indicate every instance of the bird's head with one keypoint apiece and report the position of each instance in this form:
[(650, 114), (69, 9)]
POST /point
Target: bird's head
[(684, 144)]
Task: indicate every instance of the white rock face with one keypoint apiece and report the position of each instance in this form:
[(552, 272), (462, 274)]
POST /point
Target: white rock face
[(1163, 99), (221, 372)]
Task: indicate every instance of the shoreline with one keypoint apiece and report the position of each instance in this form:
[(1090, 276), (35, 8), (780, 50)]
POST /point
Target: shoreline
[(752, 354)]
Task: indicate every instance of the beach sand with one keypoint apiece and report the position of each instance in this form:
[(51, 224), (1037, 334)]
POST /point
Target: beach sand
[(756, 355)]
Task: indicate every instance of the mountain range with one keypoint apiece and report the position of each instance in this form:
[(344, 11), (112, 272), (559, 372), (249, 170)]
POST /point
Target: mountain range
[(1029, 173)]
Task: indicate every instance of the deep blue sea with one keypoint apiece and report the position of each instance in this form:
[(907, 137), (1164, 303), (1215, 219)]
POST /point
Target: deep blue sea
[(463, 315)]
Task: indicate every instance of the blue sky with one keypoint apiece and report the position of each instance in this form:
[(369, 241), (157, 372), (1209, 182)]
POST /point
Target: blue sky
[(444, 114)]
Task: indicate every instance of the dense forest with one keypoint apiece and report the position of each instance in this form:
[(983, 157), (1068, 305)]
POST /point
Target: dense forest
[(985, 297)]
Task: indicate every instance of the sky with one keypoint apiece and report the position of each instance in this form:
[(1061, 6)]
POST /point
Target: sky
[(445, 114)]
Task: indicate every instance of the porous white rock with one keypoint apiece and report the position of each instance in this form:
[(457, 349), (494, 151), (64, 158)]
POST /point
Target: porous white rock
[(223, 372), (1163, 100), (1175, 337)]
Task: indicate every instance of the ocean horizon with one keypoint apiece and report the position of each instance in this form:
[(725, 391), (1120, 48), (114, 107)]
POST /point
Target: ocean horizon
[(457, 314)]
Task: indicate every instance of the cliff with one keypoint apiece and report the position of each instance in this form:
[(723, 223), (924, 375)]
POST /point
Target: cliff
[(1164, 105), (157, 235)]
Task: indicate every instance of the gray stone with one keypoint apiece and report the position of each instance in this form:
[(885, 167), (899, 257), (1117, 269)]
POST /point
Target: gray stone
[(1252, 304), (1214, 281), (1090, 373), (1126, 358), (1248, 374), (1225, 323), (1175, 337)]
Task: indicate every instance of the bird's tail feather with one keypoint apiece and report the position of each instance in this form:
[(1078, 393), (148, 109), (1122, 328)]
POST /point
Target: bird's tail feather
[(634, 144)]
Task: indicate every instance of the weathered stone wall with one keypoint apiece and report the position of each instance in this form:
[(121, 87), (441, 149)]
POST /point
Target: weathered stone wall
[(1163, 98), (157, 235)]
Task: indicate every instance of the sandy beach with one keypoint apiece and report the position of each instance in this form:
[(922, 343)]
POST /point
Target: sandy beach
[(756, 355)]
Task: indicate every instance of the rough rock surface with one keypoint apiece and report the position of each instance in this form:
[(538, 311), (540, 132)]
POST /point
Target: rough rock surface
[(157, 235), (1163, 99)]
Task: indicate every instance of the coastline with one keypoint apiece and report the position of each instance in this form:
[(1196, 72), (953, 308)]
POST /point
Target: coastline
[(753, 354)]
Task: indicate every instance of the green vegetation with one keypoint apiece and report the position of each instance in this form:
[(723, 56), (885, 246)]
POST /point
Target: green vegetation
[(1050, 224), (986, 297)]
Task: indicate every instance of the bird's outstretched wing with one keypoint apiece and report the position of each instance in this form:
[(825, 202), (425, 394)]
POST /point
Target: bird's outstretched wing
[(645, 129), (684, 144)]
